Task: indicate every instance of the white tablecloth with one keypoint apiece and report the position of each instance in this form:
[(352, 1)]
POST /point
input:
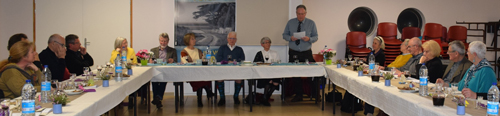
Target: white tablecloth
[(105, 98), (389, 99)]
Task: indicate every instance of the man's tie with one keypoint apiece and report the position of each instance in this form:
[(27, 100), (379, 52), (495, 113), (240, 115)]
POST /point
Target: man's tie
[(297, 42)]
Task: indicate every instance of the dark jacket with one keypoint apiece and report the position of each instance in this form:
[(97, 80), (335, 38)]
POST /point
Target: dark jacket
[(224, 50), (171, 53), (379, 57), (57, 65), (434, 68), (76, 61), (461, 70)]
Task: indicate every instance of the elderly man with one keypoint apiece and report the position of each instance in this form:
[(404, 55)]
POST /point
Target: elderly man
[(162, 53), (77, 55), (415, 48), (458, 66), (229, 53), (300, 48), (54, 56)]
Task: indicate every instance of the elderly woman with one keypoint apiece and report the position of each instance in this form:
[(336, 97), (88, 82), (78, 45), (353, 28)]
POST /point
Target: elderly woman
[(195, 54), (378, 50), (403, 58), (431, 60), (120, 45), (18, 68), (267, 56), (480, 76)]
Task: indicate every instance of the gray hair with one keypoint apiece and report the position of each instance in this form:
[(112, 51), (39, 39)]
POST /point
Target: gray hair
[(479, 48), (457, 46), (406, 41), (164, 35), (119, 41), (264, 39), (231, 33), (417, 40)]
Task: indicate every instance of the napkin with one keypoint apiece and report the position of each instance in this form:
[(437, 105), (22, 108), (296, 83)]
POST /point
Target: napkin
[(78, 79), (89, 90)]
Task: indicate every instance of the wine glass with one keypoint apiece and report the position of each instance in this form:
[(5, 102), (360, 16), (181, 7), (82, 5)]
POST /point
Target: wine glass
[(229, 58), (296, 59), (266, 57), (350, 57), (454, 87), (108, 64)]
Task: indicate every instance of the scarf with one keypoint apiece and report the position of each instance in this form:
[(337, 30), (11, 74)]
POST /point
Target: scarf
[(473, 69)]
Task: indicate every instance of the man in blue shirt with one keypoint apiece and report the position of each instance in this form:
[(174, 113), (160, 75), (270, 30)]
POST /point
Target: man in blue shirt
[(230, 53), (300, 48)]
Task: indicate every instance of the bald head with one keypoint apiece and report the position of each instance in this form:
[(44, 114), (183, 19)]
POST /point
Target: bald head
[(56, 41), (415, 46)]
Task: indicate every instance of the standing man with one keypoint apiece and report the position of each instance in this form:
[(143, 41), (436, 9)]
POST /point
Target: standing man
[(224, 53), (76, 55), (162, 52), (300, 47), (54, 56)]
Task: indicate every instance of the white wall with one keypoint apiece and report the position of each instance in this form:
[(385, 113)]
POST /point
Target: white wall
[(16, 16), (331, 15)]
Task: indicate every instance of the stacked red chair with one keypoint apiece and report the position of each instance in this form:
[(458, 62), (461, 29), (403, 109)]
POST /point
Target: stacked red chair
[(389, 31), (410, 32), (458, 33), (434, 31), (356, 43)]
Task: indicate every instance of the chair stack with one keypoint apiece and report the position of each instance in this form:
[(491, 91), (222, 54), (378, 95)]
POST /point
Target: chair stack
[(389, 31), (356, 44), (434, 31), (458, 33), (410, 32)]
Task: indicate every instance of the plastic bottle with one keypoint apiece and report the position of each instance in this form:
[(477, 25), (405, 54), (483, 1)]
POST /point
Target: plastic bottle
[(45, 82), (28, 99), (118, 69), (423, 81), (324, 55), (371, 63), (208, 56), (492, 109)]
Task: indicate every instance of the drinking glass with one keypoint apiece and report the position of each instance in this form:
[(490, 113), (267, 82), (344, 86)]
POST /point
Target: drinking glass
[(307, 61), (99, 68), (407, 73), (296, 59), (454, 87), (229, 58), (356, 58), (108, 64), (266, 57), (350, 57), (164, 61), (376, 65)]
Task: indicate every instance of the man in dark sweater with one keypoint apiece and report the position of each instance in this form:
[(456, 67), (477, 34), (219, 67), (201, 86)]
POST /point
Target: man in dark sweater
[(76, 55), (230, 52), (54, 56)]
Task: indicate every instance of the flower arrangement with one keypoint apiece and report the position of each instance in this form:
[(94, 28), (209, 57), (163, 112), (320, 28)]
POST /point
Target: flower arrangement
[(460, 100), (105, 77), (128, 65), (60, 99), (360, 68), (388, 76), (144, 54), (328, 53)]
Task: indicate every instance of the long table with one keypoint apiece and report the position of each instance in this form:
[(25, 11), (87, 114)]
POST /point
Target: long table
[(389, 99)]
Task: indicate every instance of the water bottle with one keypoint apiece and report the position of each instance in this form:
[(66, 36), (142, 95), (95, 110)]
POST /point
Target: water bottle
[(28, 99), (209, 55), (324, 55), (371, 63), (124, 57), (423, 81), (47, 75), (118, 69), (492, 100)]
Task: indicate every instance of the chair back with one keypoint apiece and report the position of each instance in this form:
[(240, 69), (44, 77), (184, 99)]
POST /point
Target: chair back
[(433, 31), (356, 39), (318, 57), (410, 32), (387, 30), (444, 32), (458, 33)]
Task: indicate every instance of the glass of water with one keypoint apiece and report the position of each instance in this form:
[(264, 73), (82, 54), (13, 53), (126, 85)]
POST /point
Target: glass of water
[(350, 57), (307, 61), (296, 59)]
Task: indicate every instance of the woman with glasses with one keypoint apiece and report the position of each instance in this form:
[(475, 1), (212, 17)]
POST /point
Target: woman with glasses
[(480, 76), (432, 61), (121, 44), (267, 56)]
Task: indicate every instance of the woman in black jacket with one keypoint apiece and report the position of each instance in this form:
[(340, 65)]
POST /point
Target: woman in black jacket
[(378, 51), (432, 61), (266, 56)]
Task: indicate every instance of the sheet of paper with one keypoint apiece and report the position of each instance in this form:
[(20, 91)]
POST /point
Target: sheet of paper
[(299, 35)]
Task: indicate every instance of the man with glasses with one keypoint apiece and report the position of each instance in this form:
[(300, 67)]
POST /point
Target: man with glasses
[(77, 55), (415, 48), (54, 56), (300, 47), (458, 66)]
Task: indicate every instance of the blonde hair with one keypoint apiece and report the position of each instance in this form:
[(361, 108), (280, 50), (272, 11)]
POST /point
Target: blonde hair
[(187, 38), (433, 46), (17, 52), (381, 42), (119, 41)]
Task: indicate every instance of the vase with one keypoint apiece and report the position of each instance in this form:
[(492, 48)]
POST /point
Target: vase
[(129, 71), (57, 108), (328, 61), (339, 66), (387, 82), (460, 110), (144, 62), (360, 73), (105, 83)]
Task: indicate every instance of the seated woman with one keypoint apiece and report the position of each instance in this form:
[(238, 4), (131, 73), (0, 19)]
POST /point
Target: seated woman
[(480, 76), (266, 56), (18, 68), (432, 61), (403, 58), (191, 54), (378, 50), (22, 37), (121, 44)]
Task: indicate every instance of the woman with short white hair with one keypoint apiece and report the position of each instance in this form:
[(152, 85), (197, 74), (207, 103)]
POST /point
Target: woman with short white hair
[(480, 76), (266, 56)]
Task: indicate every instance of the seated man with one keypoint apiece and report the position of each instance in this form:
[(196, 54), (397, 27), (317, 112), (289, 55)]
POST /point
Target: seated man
[(77, 55), (54, 56), (457, 67), (228, 53), (415, 48), (169, 54)]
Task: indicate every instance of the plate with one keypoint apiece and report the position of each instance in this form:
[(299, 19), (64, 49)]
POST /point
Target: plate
[(409, 91), (246, 64), (72, 92)]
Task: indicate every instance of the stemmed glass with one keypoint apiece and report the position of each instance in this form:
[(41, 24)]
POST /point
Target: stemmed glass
[(266, 57), (356, 59), (454, 87), (229, 58), (108, 64), (350, 57), (296, 59)]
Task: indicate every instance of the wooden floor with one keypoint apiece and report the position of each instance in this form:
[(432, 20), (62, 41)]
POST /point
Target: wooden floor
[(277, 108)]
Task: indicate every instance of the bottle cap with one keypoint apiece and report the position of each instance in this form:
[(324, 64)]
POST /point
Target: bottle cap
[(27, 81), (45, 66), (423, 63), (495, 83)]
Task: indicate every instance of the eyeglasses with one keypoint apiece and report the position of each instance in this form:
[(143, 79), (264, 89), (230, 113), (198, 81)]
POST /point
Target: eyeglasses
[(265, 42), (409, 46), (60, 44), (232, 38)]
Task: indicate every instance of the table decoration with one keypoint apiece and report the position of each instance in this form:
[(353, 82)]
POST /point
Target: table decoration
[(388, 76), (328, 54), (144, 56)]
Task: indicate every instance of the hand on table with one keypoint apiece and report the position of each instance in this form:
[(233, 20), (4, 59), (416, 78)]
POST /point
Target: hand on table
[(170, 60), (469, 93)]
